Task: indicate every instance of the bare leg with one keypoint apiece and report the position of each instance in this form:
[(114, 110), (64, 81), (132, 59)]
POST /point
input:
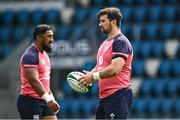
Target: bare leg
[(50, 117)]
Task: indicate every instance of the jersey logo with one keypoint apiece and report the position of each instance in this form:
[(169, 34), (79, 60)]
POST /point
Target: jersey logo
[(101, 60), (106, 48), (36, 117), (112, 115), (43, 62)]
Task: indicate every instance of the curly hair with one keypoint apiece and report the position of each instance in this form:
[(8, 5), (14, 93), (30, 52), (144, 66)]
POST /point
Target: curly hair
[(112, 13)]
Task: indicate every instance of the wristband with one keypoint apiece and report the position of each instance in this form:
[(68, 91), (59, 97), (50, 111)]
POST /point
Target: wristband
[(96, 76), (47, 97), (52, 96)]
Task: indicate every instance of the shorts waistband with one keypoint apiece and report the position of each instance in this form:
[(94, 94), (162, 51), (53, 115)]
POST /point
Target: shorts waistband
[(118, 92), (27, 95)]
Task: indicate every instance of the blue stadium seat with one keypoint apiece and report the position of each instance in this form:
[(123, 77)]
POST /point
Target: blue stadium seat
[(53, 16), (80, 15), (89, 65), (22, 17), (169, 13), (178, 52), (159, 87), (178, 15), (157, 2), (145, 49), (66, 88), (142, 2), (125, 29), (5, 35), (93, 13), (164, 69), (158, 49), (138, 67), (98, 2), (7, 49), (166, 31), (29, 34), (175, 68), (95, 90), (127, 14), (88, 106), (128, 2), (177, 107), (37, 17), (77, 32), (146, 87), (136, 47), (140, 14), (92, 31), (177, 30), (64, 103), (63, 32), (1, 53), (166, 107), (172, 2), (18, 34), (154, 13), (8, 17), (75, 106), (151, 31), (114, 3), (133, 32), (139, 106), (153, 106), (172, 87)]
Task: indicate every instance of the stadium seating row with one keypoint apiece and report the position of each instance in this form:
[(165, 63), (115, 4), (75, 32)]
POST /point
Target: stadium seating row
[(16, 34), (169, 107), (10, 35), (147, 32), (159, 88), (156, 49), (25, 17), (155, 107), (71, 108), (150, 14), (131, 14), (164, 68), (132, 2), (151, 31)]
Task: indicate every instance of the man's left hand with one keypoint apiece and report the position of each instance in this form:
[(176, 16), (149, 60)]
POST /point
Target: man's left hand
[(86, 80)]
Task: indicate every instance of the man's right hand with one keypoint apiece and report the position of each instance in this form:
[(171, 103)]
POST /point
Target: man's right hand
[(54, 106)]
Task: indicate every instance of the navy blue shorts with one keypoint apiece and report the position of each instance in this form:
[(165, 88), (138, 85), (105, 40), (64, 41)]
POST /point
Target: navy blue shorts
[(32, 108), (116, 106)]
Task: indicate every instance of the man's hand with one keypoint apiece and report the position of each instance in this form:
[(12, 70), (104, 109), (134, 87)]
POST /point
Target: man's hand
[(53, 105), (86, 80)]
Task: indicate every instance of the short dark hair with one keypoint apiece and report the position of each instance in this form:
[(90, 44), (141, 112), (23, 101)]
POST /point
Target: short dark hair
[(112, 13), (41, 29)]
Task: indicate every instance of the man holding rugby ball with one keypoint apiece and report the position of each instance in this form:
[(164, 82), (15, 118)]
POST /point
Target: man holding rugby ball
[(113, 68)]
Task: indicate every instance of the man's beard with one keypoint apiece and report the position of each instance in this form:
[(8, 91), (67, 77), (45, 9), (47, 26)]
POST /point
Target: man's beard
[(46, 48), (108, 30)]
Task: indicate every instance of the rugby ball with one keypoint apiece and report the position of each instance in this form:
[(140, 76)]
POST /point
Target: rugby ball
[(72, 79)]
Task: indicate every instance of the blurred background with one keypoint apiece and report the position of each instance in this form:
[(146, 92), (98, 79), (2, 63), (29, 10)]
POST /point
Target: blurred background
[(152, 26)]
